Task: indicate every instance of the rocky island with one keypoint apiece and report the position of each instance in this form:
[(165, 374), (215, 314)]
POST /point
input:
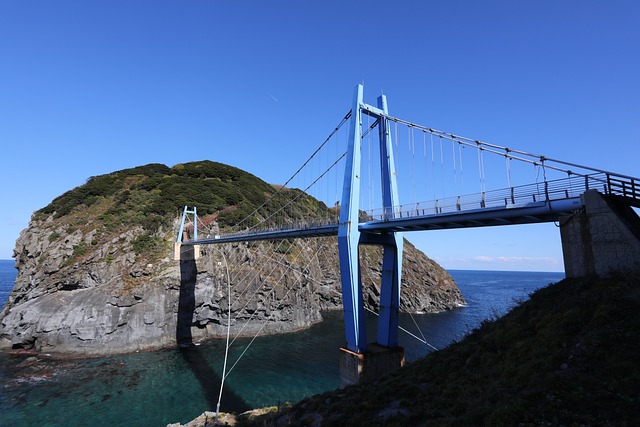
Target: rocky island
[(97, 275)]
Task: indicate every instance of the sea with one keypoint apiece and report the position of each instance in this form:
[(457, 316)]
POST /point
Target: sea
[(159, 387)]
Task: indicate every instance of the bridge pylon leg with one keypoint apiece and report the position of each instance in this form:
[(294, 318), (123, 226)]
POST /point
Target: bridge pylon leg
[(390, 295), (392, 255), (349, 236), (360, 361)]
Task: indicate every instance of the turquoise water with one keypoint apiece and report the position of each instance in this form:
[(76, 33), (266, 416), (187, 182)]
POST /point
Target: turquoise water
[(173, 385)]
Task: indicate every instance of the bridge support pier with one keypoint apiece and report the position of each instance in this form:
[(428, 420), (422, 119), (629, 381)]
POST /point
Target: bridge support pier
[(602, 240), (361, 367), (181, 254)]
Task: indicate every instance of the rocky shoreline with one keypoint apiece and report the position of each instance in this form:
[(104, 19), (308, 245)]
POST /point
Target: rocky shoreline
[(95, 308), (98, 275)]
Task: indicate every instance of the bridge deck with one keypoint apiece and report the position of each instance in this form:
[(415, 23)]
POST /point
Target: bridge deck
[(534, 212), (533, 203)]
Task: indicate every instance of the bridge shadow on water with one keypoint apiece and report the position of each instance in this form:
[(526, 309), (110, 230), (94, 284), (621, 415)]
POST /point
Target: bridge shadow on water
[(194, 355)]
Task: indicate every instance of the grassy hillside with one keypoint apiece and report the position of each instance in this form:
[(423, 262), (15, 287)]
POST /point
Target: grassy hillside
[(152, 196), (568, 356)]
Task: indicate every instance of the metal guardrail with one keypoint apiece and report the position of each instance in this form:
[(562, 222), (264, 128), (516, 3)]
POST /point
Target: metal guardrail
[(309, 225), (624, 186), (546, 191), (506, 198)]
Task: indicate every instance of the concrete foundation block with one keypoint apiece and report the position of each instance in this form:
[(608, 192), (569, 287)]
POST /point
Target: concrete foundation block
[(186, 253), (360, 367), (602, 240)]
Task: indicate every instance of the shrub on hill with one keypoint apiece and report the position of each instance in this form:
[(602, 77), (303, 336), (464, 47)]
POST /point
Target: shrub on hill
[(151, 196), (568, 356)]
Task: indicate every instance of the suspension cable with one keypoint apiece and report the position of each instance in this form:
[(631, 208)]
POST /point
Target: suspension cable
[(423, 341), (433, 168), (460, 147), (226, 351), (508, 162), (262, 327), (455, 174), (412, 178), (497, 149), (426, 163), (481, 168), (370, 180), (442, 168), (342, 122), (302, 192)]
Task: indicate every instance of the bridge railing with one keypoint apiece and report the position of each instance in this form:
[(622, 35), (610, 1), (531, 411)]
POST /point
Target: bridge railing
[(308, 224), (525, 195), (624, 186), (541, 192)]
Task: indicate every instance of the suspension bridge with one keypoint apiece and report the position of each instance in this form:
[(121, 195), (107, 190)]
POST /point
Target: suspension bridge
[(355, 176)]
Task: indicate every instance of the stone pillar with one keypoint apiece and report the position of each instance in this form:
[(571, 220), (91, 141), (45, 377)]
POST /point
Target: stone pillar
[(603, 240), (361, 367)]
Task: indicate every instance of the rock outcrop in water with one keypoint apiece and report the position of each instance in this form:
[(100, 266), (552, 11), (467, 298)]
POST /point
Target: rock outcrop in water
[(96, 273)]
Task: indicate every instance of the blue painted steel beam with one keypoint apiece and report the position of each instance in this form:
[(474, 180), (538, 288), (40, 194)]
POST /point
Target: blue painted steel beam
[(181, 229), (488, 217), (195, 223), (182, 222), (376, 232), (376, 239), (387, 334), (349, 235), (373, 111)]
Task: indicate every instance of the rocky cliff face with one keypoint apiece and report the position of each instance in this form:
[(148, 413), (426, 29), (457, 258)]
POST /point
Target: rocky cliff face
[(85, 286)]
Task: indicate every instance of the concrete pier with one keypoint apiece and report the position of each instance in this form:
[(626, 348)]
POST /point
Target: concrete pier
[(360, 367), (192, 252), (602, 240)]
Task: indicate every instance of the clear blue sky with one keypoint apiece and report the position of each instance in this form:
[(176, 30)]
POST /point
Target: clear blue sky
[(87, 88)]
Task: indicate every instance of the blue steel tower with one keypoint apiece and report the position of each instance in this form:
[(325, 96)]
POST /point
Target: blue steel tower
[(358, 360)]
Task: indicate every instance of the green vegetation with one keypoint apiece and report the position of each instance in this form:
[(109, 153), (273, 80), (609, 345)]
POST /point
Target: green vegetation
[(78, 251), (568, 356), (145, 243), (152, 196), (145, 195), (148, 195)]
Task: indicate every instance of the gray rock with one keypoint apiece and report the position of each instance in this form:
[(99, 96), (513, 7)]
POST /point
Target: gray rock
[(105, 299)]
